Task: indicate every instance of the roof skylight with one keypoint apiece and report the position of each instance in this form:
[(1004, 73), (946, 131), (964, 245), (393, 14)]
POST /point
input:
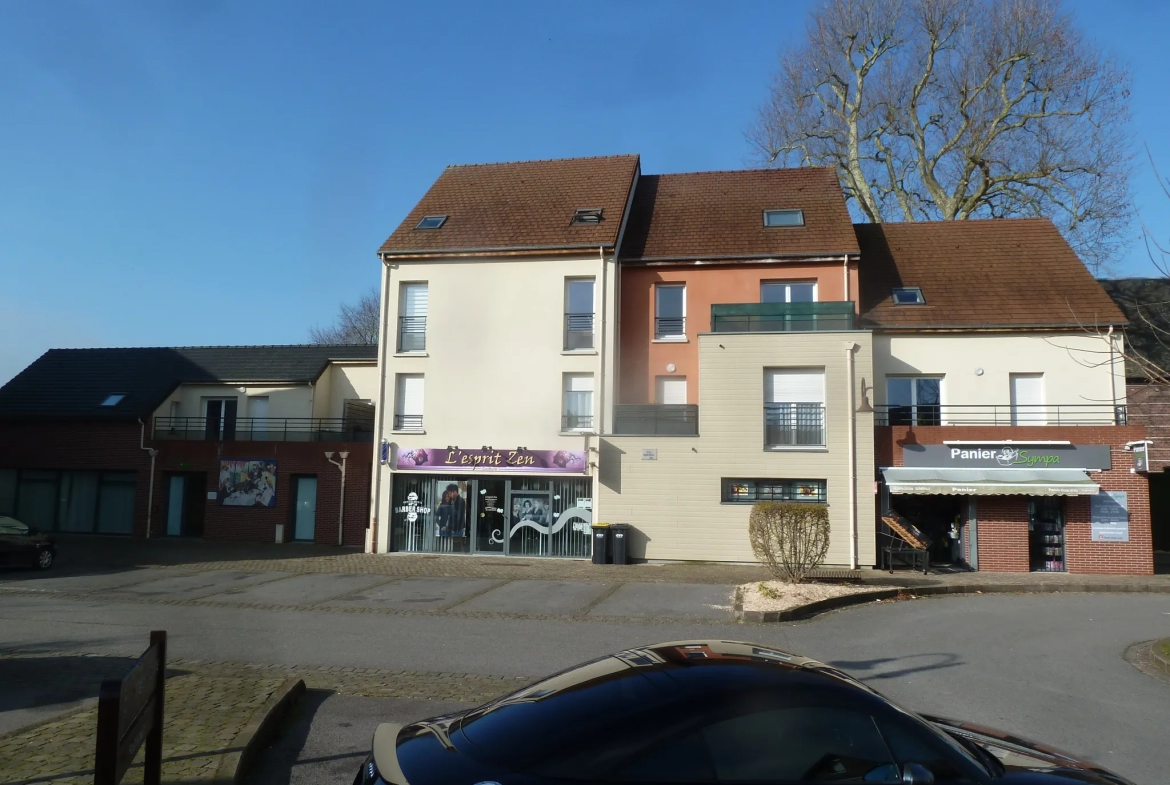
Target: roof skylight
[(587, 215), (113, 399), (784, 218), (908, 295), (431, 222)]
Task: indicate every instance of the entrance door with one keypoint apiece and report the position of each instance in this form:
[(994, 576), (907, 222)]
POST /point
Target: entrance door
[(176, 504), (529, 522), (1046, 533), (490, 523), (305, 508)]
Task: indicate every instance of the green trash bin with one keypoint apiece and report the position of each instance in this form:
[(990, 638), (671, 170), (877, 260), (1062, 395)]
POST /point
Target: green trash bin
[(619, 542)]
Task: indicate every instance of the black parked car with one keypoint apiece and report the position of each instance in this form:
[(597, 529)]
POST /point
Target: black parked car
[(707, 712), (21, 544)]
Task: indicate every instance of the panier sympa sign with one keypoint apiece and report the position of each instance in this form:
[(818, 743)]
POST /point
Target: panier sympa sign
[(431, 458), (1007, 456)]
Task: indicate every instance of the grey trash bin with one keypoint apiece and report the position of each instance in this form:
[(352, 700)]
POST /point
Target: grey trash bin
[(619, 542), (601, 543)]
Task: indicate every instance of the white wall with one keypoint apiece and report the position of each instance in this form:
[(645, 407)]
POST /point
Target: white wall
[(1076, 366), (495, 359), (283, 401), (347, 381), (674, 503)]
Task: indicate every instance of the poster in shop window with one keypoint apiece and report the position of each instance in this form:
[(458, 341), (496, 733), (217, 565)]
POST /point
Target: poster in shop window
[(451, 515), (244, 483), (1109, 512)]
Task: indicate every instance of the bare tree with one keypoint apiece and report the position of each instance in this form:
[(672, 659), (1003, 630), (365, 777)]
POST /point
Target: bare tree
[(955, 109), (357, 323)]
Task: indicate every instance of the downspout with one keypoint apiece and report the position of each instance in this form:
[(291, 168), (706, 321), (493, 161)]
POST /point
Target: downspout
[(845, 287), (1112, 373), (341, 506), (849, 349), (604, 338), (150, 492), (384, 339)]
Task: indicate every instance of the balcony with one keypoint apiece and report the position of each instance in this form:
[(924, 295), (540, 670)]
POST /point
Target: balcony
[(781, 317), (578, 331), (408, 422), (656, 419), (577, 422), (1001, 414), (264, 429), (794, 425), (412, 334)]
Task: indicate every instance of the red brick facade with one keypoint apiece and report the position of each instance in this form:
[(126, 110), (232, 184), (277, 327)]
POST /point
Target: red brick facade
[(114, 446), (1002, 521)]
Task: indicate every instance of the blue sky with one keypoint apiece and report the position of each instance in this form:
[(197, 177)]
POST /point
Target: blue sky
[(199, 172)]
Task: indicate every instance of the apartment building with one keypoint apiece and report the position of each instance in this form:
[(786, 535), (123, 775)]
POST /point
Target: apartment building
[(574, 341), (246, 443)]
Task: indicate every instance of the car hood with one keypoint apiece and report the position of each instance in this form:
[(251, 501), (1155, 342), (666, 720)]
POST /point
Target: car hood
[(1020, 756)]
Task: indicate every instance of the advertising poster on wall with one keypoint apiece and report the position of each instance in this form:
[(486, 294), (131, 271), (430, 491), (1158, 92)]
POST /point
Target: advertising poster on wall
[(451, 514), (1109, 516), (247, 483)]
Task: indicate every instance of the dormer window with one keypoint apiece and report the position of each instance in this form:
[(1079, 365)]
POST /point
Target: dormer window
[(909, 295), (784, 218), (587, 215), (431, 222), (113, 399)]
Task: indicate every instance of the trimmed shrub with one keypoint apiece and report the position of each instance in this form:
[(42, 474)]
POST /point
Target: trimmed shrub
[(791, 539)]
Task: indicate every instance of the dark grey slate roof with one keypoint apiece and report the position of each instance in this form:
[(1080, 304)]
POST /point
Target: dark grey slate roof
[(1146, 303), (72, 383)]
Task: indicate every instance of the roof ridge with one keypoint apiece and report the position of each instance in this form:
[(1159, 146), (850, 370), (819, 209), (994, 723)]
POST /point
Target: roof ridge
[(545, 160), (219, 346), (960, 222), (742, 171)]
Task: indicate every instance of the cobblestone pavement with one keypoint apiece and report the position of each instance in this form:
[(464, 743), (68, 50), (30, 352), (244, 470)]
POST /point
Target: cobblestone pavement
[(205, 710)]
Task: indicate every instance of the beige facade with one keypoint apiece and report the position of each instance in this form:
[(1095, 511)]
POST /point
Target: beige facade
[(674, 502), (1079, 369), (494, 366)]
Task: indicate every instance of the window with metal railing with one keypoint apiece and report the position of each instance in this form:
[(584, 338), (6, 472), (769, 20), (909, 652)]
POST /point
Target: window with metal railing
[(577, 407), (408, 422), (579, 310), (412, 317), (670, 312), (794, 425)]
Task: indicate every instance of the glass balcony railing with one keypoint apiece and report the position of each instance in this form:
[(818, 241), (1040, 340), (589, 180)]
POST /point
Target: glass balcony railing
[(1001, 414), (781, 317), (264, 429), (679, 419)]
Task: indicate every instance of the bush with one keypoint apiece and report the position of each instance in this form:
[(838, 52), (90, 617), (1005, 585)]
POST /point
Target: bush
[(791, 539)]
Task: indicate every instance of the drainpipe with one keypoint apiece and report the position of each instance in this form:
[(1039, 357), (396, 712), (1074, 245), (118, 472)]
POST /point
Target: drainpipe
[(384, 339), (153, 454), (850, 347), (846, 278), (604, 337), (1112, 373), (341, 506)]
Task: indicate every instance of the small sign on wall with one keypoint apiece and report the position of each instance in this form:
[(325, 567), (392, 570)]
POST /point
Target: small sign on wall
[(649, 455), (1109, 512), (212, 495)]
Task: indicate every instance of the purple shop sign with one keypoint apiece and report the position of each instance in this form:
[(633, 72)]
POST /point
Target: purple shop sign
[(430, 458)]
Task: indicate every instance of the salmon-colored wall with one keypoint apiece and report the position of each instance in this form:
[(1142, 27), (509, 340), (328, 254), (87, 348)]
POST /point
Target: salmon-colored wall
[(641, 358)]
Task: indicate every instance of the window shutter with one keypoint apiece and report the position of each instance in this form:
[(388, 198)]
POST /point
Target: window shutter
[(672, 390), (414, 299), (410, 395), (579, 382), (1027, 392), (794, 386)]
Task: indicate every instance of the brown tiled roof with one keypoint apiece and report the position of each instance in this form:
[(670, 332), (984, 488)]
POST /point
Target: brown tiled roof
[(992, 273), (712, 215), (522, 205)]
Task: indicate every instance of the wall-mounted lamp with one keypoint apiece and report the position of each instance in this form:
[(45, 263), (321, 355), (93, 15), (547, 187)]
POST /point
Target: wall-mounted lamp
[(864, 407), (670, 368)]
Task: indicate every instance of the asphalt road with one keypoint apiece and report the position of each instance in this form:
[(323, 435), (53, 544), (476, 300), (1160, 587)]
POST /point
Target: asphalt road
[(1048, 667)]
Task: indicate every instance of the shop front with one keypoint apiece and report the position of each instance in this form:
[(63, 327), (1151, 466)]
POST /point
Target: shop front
[(503, 502), (1021, 506)]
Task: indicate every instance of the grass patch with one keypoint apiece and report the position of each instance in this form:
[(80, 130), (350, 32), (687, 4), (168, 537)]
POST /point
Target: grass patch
[(1163, 647), (769, 592)]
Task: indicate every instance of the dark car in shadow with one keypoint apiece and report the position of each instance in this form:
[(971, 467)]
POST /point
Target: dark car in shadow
[(708, 712), (22, 545)]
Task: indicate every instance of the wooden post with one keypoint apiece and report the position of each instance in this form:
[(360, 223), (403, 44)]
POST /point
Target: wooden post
[(130, 711)]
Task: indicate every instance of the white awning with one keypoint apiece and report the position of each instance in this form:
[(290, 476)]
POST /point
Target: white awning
[(990, 482)]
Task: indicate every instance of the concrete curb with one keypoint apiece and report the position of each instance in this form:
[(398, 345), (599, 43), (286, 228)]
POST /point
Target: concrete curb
[(913, 592), (259, 731), (1157, 659)]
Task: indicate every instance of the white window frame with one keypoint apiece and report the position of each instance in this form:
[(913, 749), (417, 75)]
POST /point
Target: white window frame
[(658, 388), (1038, 417), (400, 382), (769, 398), (942, 389), (568, 382), (592, 281), (403, 289), (788, 288), (670, 337)]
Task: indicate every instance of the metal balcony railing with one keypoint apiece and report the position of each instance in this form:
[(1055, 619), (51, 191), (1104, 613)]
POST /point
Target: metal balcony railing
[(578, 331), (781, 317), (670, 327), (408, 422), (1001, 414), (412, 333), (656, 419), (264, 429), (576, 422), (794, 424)]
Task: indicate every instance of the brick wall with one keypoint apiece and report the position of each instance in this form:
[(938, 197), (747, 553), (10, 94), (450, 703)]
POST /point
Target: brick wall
[(1148, 405), (1003, 520), (115, 447)]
